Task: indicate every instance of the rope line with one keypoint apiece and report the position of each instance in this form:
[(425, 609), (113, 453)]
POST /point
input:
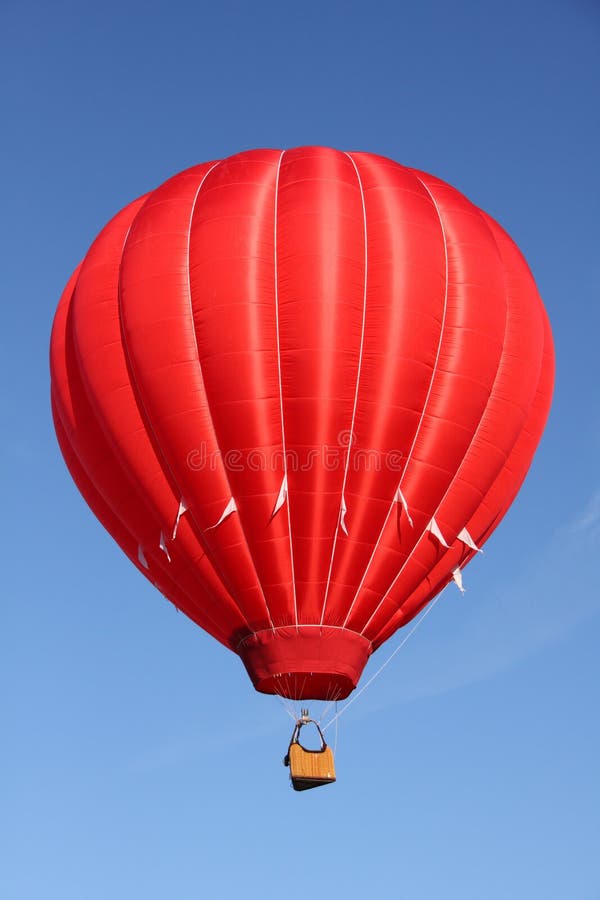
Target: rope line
[(337, 729), (384, 665), (284, 704), (287, 705)]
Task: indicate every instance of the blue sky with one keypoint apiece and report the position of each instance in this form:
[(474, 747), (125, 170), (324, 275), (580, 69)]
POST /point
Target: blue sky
[(136, 759)]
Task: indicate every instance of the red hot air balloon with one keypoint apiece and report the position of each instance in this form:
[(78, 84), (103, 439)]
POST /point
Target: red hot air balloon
[(301, 390)]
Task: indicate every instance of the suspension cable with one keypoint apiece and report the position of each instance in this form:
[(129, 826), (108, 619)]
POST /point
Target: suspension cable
[(382, 667), (286, 703)]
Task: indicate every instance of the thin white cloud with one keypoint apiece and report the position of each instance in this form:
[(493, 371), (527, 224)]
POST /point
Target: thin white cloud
[(472, 639), (590, 517)]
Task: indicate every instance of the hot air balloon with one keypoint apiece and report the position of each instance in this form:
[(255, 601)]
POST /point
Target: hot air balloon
[(301, 389)]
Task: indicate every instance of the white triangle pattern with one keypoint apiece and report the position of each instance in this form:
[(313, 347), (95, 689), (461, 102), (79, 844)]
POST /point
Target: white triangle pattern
[(466, 538), (163, 546), (182, 509), (229, 509), (400, 498), (434, 528), (281, 497), (142, 559), (457, 577), (343, 511)]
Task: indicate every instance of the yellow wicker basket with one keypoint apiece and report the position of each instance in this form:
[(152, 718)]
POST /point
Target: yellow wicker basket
[(309, 768)]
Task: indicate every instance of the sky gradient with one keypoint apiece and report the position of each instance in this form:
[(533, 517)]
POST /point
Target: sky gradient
[(137, 760)]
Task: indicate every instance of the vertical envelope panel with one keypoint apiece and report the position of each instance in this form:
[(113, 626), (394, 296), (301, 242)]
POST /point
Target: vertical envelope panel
[(300, 388)]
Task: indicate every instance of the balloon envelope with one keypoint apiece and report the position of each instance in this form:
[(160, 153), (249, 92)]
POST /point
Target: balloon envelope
[(300, 390)]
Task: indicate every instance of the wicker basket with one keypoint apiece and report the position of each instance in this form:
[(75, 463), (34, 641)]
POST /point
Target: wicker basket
[(309, 768)]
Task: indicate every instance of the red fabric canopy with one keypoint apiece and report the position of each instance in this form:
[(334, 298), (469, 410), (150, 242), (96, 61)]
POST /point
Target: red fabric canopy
[(300, 389)]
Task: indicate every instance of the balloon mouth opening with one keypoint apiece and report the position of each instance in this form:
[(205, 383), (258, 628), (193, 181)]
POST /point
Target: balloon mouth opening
[(305, 662), (307, 686)]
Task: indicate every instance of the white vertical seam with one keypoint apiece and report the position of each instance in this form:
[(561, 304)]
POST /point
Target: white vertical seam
[(475, 434), (139, 400), (455, 476), (358, 374), (189, 296), (421, 420), (283, 440)]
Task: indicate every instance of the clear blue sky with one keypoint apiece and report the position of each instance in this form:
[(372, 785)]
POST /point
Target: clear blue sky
[(136, 760)]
